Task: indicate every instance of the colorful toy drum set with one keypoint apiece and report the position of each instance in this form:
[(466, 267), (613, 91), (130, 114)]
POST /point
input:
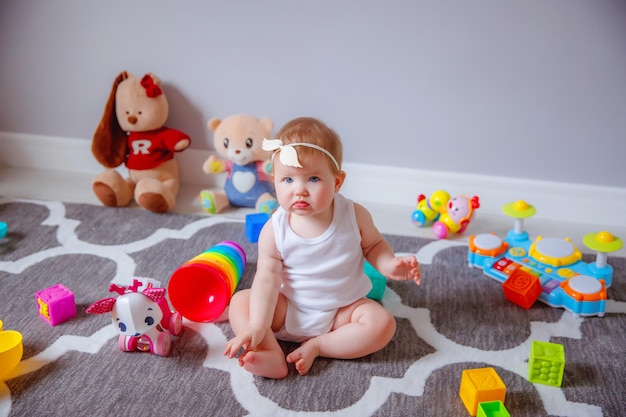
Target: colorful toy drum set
[(201, 288)]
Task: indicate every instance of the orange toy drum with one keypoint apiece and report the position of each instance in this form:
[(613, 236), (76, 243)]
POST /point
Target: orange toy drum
[(201, 288)]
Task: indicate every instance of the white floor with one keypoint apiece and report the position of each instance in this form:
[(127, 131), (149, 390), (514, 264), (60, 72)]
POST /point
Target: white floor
[(72, 187)]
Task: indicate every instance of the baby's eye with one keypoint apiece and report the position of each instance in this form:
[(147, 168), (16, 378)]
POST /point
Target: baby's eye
[(288, 180), (314, 179)]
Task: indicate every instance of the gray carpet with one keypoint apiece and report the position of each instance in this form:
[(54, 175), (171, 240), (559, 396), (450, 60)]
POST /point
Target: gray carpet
[(458, 319)]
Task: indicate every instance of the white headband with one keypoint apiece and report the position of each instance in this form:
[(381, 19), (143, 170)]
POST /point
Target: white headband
[(288, 154)]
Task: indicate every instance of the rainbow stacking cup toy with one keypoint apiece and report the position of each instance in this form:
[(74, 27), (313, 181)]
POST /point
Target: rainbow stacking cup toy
[(11, 350), (201, 288)]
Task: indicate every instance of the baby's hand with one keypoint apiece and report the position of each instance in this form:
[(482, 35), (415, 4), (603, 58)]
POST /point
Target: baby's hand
[(248, 340), (406, 268)]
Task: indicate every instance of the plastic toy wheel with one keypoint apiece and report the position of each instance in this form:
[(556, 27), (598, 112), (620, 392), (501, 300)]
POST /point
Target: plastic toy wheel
[(162, 345), (176, 324), (418, 218), (127, 343), (144, 343), (440, 230)]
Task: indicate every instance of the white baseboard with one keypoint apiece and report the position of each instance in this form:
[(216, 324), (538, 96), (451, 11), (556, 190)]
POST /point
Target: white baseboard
[(578, 203)]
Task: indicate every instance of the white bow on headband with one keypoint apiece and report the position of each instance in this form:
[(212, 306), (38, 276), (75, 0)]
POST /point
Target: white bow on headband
[(288, 154)]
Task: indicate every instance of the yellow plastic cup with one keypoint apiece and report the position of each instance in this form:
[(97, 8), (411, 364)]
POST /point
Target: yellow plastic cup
[(11, 350)]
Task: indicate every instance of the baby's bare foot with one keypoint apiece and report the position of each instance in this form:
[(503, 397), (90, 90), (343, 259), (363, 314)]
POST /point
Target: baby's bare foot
[(269, 364), (304, 356)]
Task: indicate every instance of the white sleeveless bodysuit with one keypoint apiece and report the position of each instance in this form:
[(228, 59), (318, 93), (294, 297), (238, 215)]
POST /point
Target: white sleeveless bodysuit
[(321, 274)]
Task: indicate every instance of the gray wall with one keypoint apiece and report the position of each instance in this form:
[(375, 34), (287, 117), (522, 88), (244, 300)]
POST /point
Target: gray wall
[(524, 88)]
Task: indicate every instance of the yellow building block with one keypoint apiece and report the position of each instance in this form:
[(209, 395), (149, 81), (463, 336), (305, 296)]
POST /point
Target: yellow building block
[(480, 385)]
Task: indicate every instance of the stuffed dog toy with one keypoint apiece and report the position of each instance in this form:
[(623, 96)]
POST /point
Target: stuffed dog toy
[(133, 132)]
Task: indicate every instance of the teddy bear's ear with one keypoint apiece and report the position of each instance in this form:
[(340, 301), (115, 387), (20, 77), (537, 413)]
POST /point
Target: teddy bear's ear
[(267, 123), (109, 140), (214, 123)]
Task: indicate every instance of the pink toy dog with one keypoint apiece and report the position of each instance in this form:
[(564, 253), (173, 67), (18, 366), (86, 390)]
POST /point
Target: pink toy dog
[(144, 319)]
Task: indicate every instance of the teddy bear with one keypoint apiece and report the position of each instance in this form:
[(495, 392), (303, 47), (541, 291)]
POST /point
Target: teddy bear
[(237, 141), (132, 131)]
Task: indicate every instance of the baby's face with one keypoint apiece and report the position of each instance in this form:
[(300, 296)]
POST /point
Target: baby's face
[(308, 190)]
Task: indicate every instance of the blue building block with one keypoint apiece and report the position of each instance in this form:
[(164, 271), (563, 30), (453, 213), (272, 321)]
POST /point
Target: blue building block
[(254, 224)]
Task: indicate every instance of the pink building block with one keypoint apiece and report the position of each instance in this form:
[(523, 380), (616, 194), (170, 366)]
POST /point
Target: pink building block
[(55, 304)]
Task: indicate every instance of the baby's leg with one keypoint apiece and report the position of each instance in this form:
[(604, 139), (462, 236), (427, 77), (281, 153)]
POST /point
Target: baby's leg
[(267, 359), (359, 329)]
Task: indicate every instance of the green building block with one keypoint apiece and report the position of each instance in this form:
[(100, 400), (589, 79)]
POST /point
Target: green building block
[(546, 363), (492, 409), (379, 282)]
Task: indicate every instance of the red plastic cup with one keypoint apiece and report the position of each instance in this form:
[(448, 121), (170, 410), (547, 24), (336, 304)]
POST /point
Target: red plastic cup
[(200, 290)]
